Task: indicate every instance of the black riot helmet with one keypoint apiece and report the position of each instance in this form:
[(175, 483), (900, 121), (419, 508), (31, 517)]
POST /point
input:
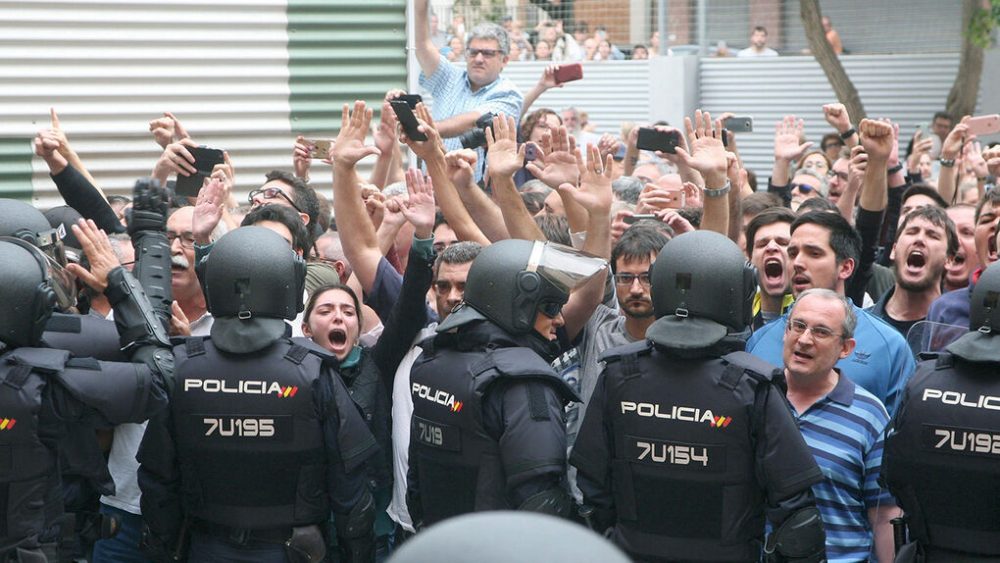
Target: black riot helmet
[(702, 290), (979, 344), (253, 280), (27, 292), (20, 220), (510, 280)]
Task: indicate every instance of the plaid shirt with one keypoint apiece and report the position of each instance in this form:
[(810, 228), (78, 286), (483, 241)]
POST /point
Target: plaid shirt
[(453, 95)]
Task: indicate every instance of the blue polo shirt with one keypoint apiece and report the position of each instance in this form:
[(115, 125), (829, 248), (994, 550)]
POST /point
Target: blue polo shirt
[(453, 95), (844, 433), (881, 362)]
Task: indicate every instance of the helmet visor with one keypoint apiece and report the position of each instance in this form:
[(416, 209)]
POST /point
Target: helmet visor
[(51, 260), (564, 267)]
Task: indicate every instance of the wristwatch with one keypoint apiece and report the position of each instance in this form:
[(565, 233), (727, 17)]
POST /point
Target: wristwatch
[(718, 192), (848, 134), (895, 169), (947, 162)]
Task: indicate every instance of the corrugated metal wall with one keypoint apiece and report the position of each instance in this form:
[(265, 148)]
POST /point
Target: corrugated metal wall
[(905, 88), (224, 68)]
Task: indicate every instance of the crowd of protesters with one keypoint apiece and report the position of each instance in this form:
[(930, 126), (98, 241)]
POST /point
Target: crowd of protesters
[(901, 232)]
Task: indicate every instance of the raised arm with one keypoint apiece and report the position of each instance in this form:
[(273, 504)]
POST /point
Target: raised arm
[(708, 158), (787, 148), (950, 149), (545, 82), (427, 54), (838, 118), (558, 166), (484, 211), (594, 196), (504, 159), (444, 191), (361, 246)]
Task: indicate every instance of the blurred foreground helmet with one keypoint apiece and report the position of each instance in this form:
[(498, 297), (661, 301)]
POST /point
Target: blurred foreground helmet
[(31, 285), (505, 537), (22, 221), (511, 279), (702, 289)]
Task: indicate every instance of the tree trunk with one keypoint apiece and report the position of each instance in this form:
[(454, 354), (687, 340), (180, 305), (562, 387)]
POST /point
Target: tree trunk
[(842, 86), (965, 89)]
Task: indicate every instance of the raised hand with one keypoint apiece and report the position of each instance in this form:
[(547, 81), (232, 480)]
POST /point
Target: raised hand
[(594, 193), (385, 134), (167, 129), (350, 146), (47, 144), (673, 219), (921, 146), (460, 166), (654, 197), (952, 145), (176, 159), (787, 134), (208, 209), (431, 148), (302, 158), (857, 166), (708, 154), (559, 165), (992, 157), (419, 207), (973, 152), (503, 158), (836, 115), (179, 323), (877, 138), (608, 145), (96, 246)]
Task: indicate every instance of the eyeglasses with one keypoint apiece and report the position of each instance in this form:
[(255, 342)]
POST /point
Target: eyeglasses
[(186, 238), (820, 333), (831, 145), (803, 188), (443, 287), (627, 279), (486, 53), (842, 175), (271, 193), (550, 309), (440, 246)]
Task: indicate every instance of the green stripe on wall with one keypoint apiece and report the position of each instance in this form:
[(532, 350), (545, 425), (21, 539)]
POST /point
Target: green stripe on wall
[(340, 51), (15, 167)]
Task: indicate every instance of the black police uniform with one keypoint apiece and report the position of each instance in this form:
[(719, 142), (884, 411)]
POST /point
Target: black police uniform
[(46, 393), (261, 440), (942, 449), (488, 429), (683, 454), (688, 442)]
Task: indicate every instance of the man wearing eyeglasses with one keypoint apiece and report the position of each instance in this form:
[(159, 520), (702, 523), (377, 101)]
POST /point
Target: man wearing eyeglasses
[(843, 426), (823, 252), (461, 97), (282, 188)]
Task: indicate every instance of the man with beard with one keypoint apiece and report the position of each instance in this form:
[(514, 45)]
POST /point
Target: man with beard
[(965, 261), (926, 241), (953, 307), (767, 247)]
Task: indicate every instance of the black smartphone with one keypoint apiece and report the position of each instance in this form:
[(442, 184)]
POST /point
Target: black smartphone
[(632, 219), (656, 140), (739, 124), (409, 121), (411, 100), (205, 160)]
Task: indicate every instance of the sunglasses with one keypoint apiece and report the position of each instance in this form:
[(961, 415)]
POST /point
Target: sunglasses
[(550, 309), (486, 53), (271, 193), (803, 188)]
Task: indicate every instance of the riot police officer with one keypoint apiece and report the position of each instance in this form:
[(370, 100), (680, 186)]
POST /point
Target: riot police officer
[(488, 430), (46, 392), (688, 441), (942, 449), (260, 442)]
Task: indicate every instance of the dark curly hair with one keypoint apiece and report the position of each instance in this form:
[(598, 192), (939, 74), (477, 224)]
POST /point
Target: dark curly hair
[(531, 120)]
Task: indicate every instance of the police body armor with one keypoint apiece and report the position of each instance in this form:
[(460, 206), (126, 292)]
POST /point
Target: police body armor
[(943, 466), (109, 388), (249, 440), (684, 453), (457, 460)]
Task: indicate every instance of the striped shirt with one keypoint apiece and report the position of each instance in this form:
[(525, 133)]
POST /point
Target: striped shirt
[(453, 95), (844, 433)]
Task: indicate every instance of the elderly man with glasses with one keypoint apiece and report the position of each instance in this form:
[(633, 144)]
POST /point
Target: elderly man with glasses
[(462, 97)]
